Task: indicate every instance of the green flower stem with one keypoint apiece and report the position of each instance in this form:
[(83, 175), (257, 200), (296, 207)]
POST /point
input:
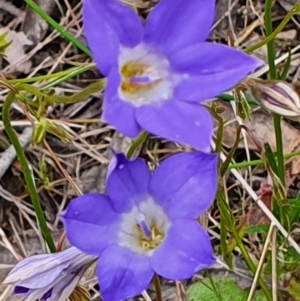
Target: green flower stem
[(214, 287), (71, 74), (74, 98), (21, 156), (272, 35), (136, 143), (57, 27), (270, 44), (250, 263), (75, 70), (230, 225), (279, 148), (26, 171), (273, 75), (258, 162)]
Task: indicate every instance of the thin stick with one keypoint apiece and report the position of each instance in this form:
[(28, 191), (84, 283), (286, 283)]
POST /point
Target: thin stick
[(261, 263), (146, 296), (157, 286), (63, 171), (274, 266), (261, 204)]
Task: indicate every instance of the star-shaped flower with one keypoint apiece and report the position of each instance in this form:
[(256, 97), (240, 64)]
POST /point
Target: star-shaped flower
[(158, 73), (146, 223)]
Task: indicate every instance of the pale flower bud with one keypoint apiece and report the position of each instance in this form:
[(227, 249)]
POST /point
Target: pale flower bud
[(50, 276), (276, 96)]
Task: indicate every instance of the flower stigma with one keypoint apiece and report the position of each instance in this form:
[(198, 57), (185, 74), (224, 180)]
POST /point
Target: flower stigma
[(142, 225), (145, 76)]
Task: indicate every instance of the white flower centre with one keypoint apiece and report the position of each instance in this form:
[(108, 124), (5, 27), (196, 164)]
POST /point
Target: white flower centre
[(145, 76), (143, 228)]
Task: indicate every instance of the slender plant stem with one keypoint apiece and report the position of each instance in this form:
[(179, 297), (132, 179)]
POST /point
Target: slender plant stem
[(59, 80), (136, 143), (157, 288), (76, 70), (57, 27), (273, 75), (250, 263), (259, 161), (273, 34), (230, 225), (214, 287), (279, 148), (27, 174)]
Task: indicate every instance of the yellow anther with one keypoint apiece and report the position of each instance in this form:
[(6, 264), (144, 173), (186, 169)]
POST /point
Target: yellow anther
[(137, 78), (150, 243)]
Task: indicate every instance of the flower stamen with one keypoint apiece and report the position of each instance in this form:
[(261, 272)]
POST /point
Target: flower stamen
[(149, 238), (138, 77)]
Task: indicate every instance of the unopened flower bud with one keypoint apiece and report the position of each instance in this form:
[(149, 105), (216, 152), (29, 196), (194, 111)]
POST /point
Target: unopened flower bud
[(39, 134), (276, 96), (51, 276), (58, 131), (46, 125)]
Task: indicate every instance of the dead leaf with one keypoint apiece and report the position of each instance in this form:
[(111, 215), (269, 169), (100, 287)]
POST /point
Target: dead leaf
[(261, 126), (34, 26), (255, 216), (287, 35), (16, 50)]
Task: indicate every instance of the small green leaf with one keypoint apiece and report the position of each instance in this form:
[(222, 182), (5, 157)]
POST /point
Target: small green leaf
[(3, 44), (58, 131), (286, 68), (294, 210), (294, 288), (262, 229), (45, 125), (39, 133), (271, 157), (227, 290), (243, 107)]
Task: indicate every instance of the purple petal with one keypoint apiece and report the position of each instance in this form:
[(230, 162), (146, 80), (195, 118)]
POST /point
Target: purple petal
[(174, 24), (18, 290), (179, 121), (41, 280), (127, 183), (47, 295), (91, 223), (35, 294), (117, 112), (122, 274), (37, 271), (185, 251), (185, 184), (64, 288), (109, 24), (210, 69)]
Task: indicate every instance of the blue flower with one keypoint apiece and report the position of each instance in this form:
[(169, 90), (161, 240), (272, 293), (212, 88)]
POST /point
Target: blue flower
[(146, 223), (158, 74)]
